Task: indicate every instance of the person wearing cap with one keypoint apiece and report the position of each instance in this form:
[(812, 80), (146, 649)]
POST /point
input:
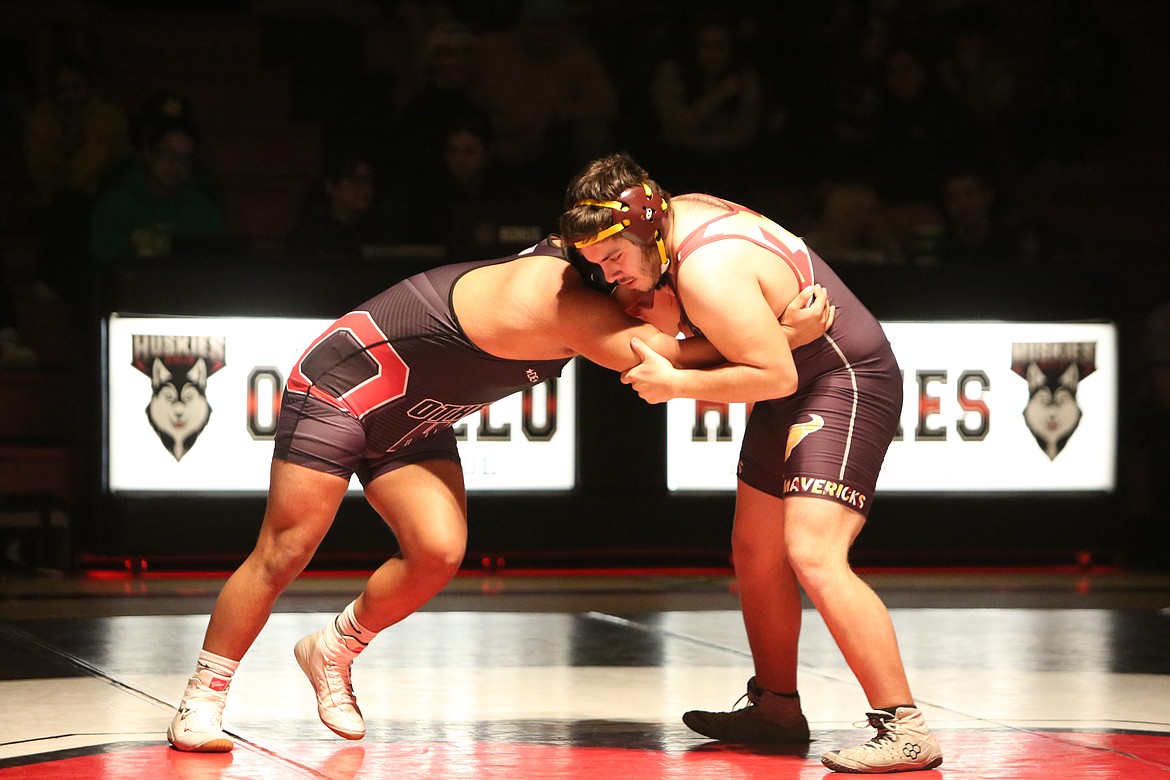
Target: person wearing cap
[(822, 418)]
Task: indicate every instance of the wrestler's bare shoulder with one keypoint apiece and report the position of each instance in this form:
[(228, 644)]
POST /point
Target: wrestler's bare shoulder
[(510, 309), (699, 203), (701, 200), (519, 278), (695, 208)]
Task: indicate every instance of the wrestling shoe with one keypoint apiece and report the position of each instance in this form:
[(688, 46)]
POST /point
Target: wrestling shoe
[(326, 661), (767, 719), (903, 744), (198, 724)]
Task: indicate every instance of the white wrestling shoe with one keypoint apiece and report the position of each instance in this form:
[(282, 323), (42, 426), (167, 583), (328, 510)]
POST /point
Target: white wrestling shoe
[(903, 744), (198, 724), (326, 661)]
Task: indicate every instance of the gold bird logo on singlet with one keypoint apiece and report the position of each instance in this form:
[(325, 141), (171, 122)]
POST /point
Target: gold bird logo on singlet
[(798, 431)]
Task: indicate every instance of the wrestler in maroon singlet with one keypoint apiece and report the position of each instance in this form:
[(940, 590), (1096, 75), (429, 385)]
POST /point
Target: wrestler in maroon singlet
[(829, 450)]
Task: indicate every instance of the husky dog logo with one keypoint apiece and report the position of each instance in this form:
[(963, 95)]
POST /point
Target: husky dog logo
[(1053, 372), (178, 367)]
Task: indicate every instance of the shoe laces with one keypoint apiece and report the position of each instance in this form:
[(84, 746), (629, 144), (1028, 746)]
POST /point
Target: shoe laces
[(203, 719), (204, 708), (340, 681), (752, 695), (746, 707), (198, 691), (887, 729)]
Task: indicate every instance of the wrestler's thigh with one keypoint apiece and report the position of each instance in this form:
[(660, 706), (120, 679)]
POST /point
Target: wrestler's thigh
[(302, 503), (424, 503)]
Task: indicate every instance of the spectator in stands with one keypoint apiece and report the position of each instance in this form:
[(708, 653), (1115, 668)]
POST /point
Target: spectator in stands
[(164, 109), (444, 100), (337, 217), (852, 227), (1086, 90), (840, 91), (978, 230), (155, 202), (471, 206), (550, 102), (709, 105), (974, 71), (919, 129), (72, 137)]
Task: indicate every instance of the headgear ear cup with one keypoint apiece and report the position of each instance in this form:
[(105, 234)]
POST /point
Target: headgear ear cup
[(646, 209), (638, 212)]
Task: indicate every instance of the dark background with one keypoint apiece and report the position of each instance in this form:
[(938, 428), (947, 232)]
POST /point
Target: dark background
[(272, 84)]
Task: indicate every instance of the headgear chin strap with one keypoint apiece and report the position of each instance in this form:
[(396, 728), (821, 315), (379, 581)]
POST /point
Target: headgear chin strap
[(638, 212)]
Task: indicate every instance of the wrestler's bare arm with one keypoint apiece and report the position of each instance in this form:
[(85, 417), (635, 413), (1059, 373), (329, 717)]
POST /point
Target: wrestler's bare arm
[(804, 320), (595, 327), (538, 308), (722, 286)]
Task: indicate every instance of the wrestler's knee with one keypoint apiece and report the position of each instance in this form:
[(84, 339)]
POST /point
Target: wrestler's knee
[(281, 556), (756, 548), (439, 553), (816, 562)]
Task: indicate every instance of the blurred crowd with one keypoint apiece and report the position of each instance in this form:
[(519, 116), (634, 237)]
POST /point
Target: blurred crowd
[(888, 133)]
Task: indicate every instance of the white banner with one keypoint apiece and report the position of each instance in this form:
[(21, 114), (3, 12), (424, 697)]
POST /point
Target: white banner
[(212, 429), (988, 407)]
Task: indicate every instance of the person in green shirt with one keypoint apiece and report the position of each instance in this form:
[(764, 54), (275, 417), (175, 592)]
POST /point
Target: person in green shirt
[(154, 201)]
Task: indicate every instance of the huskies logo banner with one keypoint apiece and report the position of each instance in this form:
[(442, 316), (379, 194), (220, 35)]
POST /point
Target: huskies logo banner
[(1053, 372), (988, 407), (178, 367)]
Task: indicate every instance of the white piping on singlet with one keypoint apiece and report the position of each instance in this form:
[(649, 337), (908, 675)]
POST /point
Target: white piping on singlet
[(853, 410)]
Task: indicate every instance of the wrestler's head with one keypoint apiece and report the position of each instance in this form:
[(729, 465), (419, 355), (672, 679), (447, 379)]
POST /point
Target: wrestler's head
[(615, 216)]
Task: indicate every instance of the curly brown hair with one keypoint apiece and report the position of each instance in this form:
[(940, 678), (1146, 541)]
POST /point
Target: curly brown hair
[(603, 179)]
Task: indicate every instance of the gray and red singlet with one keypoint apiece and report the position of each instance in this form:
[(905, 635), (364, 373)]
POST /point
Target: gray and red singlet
[(830, 437), (382, 386)]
